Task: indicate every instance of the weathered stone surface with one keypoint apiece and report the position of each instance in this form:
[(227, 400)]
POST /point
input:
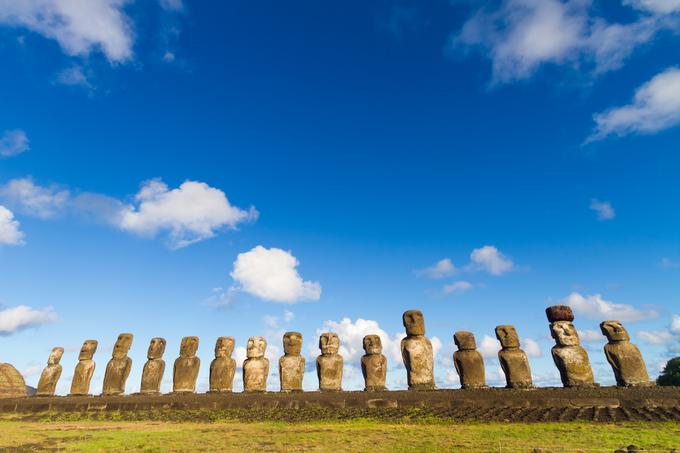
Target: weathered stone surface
[(186, 367), (570, 358), (373, 364), (623, 356), (51, 374), (223, 367), (80, 385), (513, 360), (256, 366), (416, 351), (329, 364), (12, 384), (154, 368), (468, 361), (291, 364), (118, 368)]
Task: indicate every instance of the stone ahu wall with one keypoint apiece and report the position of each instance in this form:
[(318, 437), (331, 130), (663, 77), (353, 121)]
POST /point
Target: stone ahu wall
[(570, 358)]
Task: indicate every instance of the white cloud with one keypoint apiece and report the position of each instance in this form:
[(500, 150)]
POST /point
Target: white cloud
[(457, 287), (655, 6), (604, 209), (74, 76), (591, 336), (191, 213), (13, 142), (655, 106), (288, 315), (22, 317), (656, 337), (271, 274), (675, 324), (441, 269), (172, 5), (522, 35), (489, 347), (491, 260), (10, 234), (594, 307), (531, 347), (34, 200), (271, 321), (79, 26), (33, 370)]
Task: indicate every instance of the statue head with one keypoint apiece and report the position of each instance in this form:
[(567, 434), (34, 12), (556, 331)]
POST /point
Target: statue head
[(508, 337), (614, 331), (188, 347), (55, 356), (414, 322), (88, 349), (329, 343), (256, 347), (156, 348), (224, 347), (564, 333), (122, 346), (372, 344), (465, 341), (292, 343)]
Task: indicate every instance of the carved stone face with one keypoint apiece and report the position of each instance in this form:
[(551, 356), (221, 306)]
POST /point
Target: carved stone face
[(614, 331), (156, 348), (55, 356), (292, 343), (256, 347), (465, 341), (122, 346), (372, 344), (224, 347), (188, 347), (329, 343), (88, 350), (508, 337), (414, 322), (564, 333)]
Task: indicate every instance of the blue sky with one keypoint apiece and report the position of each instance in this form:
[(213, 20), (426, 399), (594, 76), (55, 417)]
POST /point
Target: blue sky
[(247, 168)]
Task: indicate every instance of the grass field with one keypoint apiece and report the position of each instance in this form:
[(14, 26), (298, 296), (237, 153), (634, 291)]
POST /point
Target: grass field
[(336, 436)]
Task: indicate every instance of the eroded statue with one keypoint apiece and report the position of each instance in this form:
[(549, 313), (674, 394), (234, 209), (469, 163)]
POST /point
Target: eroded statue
[(80, 385), (373, 364), (51, 374), (624, 357), (291, 364), (118, 368), (513, 360), (329, 364), (416, 351), (570, 358), (223, 367), (154, 368), (256, 366), (186, 367), (468, 361)]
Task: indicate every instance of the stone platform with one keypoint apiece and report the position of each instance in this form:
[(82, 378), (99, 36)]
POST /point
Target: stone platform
[(494, 404)]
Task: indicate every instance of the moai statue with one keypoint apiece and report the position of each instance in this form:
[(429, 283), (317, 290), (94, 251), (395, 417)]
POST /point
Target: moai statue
[(256, 366), (186, 367), (374, 364), (51, 374), (513, 360), (291, 364), (118, 368), (468, 361), (152, 375), (329, 363), (80, 385), (223, 367), (623, 356), (569, 357), (416, 351)]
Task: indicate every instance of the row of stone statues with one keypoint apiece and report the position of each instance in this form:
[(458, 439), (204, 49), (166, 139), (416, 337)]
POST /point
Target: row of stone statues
[(570, 358)]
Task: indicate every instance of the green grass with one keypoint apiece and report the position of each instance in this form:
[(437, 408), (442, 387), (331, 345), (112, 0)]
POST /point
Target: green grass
[(85, 434)]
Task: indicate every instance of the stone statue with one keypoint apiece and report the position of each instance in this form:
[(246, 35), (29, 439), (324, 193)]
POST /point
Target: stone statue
[(373, 364), (256, 366), (416, 351), (152, 374), (80, 385), (186, 367), (513, 360), (51, 374), (329, 363), (118, 368), (468, 361), (12, 384), (292, 364), (569, 357), (623, 356), (223, 367)]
